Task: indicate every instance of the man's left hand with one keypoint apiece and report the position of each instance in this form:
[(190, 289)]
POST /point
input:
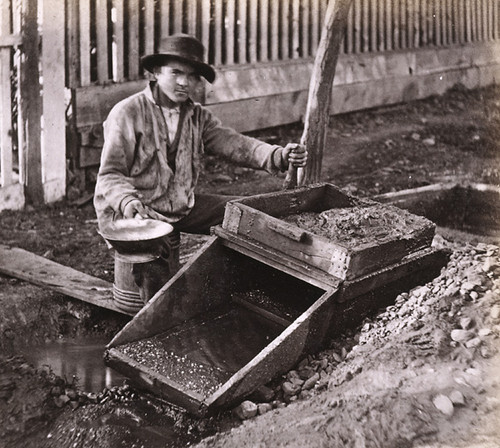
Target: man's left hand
[(295, 154)]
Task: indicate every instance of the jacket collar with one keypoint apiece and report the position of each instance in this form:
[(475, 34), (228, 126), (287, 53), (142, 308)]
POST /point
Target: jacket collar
[(149, 93)]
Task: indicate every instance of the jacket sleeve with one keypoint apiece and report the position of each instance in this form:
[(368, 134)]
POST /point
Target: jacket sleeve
[(240, 149), (114, 188)]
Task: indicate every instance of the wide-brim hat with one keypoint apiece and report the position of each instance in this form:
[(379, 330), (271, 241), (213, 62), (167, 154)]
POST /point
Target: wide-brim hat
[(183, 47)]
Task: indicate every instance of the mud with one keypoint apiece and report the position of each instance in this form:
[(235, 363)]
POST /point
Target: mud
[(359, 225)]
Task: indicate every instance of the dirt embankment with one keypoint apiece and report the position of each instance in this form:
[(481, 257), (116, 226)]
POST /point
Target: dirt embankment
[(419, 373)]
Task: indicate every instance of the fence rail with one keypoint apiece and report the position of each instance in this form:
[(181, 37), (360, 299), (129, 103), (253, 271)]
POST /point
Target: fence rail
[(106, 38)]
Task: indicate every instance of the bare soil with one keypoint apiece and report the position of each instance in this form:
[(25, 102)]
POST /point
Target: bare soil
[(421, 372)]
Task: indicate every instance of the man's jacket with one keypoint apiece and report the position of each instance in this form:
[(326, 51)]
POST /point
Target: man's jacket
[(134, 158)]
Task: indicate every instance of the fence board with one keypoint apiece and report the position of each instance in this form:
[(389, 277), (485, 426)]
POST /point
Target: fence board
[(252, 31), (85, 42), (191, 16), (242, 31), (102, 40), (264, 33), (149, 26), (315, 25), (132, 56), (373, 24), (495, 20), (305, 19), (295, 24), (53, 101), (5, 113), (285, 29), (119, 43), (31, 103), (230, 31), (205, 23), (275, 31), (365, 10), (177, 11), (217, 40)]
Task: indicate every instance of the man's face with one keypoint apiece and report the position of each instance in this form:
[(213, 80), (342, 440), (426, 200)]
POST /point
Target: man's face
[(177, 80)]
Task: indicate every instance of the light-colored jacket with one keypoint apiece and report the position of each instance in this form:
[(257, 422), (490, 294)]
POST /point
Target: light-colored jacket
[(134, 157)]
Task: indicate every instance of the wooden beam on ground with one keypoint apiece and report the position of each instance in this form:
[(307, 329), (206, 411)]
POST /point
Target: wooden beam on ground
[(40, 271)]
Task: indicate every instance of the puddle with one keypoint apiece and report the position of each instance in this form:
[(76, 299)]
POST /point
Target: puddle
[(76, 358)]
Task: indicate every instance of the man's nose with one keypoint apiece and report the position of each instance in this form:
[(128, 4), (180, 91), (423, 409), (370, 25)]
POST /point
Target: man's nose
[(182, 80)]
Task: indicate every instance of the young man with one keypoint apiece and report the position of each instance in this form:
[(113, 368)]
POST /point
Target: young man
[(154, 142)]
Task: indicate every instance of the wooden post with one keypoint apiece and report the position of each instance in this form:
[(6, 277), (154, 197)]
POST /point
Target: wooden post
[(53, 104), (31, 103), (320, 92)]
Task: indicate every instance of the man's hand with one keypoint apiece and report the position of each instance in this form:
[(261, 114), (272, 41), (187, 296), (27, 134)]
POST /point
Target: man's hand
[(295, 154), (136, 210)]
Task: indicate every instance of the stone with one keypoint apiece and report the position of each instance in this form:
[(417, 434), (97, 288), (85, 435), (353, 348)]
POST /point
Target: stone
[(461, 335), (457, 398), (262, 408), (310, 383), (472, 343), (466, 323), (443, 404), (495, 312), (290, 389), (246, 410)]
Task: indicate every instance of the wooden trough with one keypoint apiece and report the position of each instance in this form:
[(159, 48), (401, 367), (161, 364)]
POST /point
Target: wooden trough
[(241, 312)]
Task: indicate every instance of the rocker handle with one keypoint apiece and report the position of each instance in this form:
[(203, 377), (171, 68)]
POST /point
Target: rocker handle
[(292, 233)]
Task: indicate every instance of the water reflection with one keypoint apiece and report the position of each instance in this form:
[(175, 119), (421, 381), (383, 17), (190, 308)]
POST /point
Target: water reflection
[(76, 358)]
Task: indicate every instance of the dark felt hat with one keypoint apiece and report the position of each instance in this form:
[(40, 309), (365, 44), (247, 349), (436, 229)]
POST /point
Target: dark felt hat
[(182, 47)]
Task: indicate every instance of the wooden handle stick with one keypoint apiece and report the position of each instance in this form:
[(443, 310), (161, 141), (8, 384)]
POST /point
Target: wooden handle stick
[(320, 92)]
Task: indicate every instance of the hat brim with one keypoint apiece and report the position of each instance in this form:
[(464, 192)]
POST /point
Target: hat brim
[(149, 62)]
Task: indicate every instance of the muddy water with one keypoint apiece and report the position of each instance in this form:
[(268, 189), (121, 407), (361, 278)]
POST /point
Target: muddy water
[(81, 359)]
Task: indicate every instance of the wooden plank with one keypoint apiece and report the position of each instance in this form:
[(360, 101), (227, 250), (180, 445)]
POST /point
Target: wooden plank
[(424, 22), (205, 28), (264, 313), (252, 31), (149, 26), (5, 100), (72, 45), (53, 101), (277, 260), (305, 9), (242, 31), (177, 12), (496, 31), (389, 43), (119, 38), (10, 40), (275, 31), (102, 40), (349, 38), (484, 5), (31, 103), (165, 16), (218, 21), (490, 4), (40, 271), (295, 24), (468, 21), (84, 30), (191, 16), (380, 25), (230, 33), (93, 103), (285, 29), (5, 119), (315, 26), (373, 24), (357, 26), (264, 31), (365, 20), (132, 57), (396, 25)]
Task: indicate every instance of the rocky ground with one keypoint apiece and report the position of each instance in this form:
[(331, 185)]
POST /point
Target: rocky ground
[(420, 372)]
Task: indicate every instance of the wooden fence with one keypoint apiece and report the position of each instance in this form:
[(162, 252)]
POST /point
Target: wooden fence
[(106, 38)]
